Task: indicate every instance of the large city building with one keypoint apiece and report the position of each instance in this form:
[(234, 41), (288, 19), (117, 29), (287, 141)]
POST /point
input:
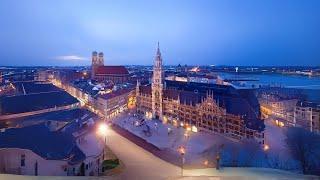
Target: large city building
[(32, 98), (52, 143), (100, 72), (278, 108), (307, 116), (207, 107)]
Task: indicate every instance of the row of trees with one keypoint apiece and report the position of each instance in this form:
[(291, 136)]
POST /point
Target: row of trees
[(303, 147)]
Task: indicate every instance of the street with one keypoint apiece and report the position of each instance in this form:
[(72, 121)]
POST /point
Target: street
[(139, 163)]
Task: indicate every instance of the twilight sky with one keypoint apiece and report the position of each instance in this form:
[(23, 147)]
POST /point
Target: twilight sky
[(219, 32)]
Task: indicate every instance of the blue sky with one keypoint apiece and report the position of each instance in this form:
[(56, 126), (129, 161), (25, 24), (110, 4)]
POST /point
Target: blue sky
[(219, 32)]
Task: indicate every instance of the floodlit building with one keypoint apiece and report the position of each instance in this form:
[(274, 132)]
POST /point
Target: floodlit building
[(100, 72), (207, 107), (307, 115), (113, 103), (280, 109), (43, 75)]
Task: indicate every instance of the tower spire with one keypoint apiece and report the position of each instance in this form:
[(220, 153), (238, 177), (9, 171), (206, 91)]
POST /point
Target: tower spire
[(158, 58), (157, 86), (158, 49)]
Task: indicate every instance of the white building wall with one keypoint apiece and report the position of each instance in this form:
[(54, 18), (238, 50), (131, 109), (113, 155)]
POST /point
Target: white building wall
[(10, 162)]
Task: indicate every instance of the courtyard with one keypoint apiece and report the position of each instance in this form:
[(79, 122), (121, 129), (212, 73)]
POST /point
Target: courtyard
[(203, 149)]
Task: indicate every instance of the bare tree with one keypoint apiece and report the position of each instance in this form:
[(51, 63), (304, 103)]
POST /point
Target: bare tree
[(212, 152), (250, 150), (304, 147)]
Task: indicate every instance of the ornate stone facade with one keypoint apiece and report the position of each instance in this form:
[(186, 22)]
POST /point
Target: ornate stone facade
[(212, 108), (157, 86)]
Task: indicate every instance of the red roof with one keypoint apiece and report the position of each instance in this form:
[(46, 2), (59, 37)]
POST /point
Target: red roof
[(120, 70)]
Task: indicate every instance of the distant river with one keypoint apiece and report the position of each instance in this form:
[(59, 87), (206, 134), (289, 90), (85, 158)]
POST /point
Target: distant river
[(291, 81), (310, 86)]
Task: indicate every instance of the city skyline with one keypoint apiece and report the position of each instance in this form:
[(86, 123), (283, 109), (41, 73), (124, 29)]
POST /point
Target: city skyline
[(193, 33), (143, 89)]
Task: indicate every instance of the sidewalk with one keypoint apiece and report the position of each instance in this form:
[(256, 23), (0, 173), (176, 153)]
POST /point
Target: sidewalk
[(247, 173), (164, 155)]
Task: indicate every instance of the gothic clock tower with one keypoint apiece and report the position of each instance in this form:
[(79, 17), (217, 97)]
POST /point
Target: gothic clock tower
[(157, 86)]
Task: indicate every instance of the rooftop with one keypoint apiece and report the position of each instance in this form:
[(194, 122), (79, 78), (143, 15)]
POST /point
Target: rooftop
[(86, 87), (63, 116), (308, 104), (35, 87), (33, 102), (47, 144), (112, 70), (116, 93)]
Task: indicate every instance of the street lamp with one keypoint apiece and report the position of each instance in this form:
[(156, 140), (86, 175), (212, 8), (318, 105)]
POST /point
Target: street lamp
[(186, 135), (182, 151), (102, 131), (206, 163)]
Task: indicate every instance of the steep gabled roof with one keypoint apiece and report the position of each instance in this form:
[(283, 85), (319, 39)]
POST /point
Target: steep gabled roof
[(109, 70)]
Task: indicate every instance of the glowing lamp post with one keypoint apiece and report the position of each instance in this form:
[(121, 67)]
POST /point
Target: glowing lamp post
[(102, 131), (206, 163), (182, 151), (186, 135), (266, 147)]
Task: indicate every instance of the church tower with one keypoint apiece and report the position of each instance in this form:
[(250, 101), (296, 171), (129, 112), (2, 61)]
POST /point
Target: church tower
[(157, 86), (96, 61), (100, 59)]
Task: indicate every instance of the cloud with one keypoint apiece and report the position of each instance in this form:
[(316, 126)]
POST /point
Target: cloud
[(71, 58)]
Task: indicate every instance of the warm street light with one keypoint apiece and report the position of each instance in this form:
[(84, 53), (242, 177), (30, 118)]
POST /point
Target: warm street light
[(186, 135), (194, 129), (181, 124), (182, 151), (206, 162), (102, 129), (266, 147)]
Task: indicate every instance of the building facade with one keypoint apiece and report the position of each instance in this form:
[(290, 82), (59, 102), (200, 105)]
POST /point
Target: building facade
[(278, 108), (157, 87), (41, 152), (97, 61), (26, 162), (213, 108), (116, 102), (100, 72), (307, 116)]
